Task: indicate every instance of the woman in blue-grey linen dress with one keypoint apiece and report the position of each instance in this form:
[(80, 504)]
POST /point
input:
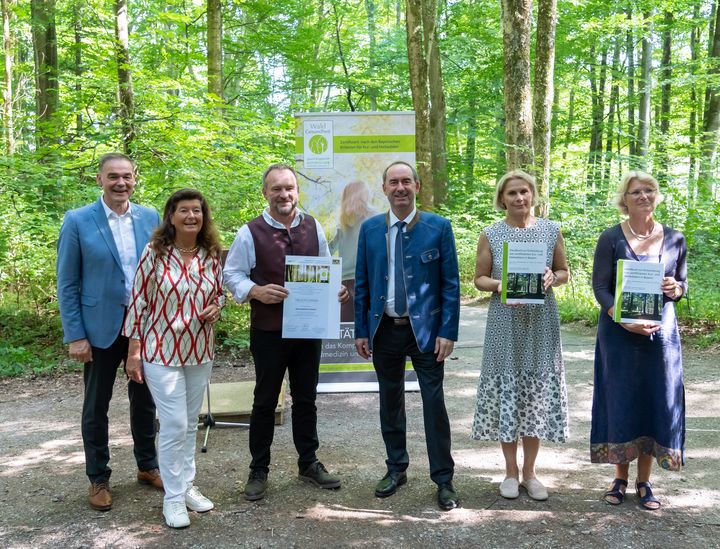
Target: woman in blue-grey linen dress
[(639, 398), (521, 391)]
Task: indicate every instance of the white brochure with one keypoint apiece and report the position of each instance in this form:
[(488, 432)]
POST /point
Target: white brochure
[(311, 309)]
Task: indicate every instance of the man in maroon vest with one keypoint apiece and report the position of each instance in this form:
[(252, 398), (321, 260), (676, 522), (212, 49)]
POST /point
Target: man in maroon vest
[(254, 272)]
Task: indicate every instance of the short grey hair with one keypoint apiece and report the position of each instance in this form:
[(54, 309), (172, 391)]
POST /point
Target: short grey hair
[(107, 157), (416, 177)]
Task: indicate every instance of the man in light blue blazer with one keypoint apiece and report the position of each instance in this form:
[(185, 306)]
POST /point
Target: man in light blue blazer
[(407, 303), (98, 250)]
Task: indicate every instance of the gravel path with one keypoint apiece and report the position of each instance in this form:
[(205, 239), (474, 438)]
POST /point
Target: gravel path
[(43, 486)]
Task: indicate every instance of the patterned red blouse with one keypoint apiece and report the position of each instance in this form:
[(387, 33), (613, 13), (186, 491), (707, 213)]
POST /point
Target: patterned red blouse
[(167, 299)]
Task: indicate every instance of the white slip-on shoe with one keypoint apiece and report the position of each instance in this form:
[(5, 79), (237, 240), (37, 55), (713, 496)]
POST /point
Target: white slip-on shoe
[(195, 501), (535, 489), (509, 488), (175, 513)]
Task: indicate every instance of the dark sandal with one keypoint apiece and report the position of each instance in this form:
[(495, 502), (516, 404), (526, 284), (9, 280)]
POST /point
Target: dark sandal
[(615, 492), (648, 501)]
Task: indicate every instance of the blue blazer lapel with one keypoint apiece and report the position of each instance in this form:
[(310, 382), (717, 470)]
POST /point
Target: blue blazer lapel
[(141, 230), (104, 227)]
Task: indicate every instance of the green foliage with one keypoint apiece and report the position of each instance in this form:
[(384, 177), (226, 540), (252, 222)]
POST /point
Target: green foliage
[(285, 57), (29, 342), (232, 333)]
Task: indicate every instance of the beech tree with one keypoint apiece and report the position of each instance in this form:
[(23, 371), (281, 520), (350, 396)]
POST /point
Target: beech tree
[(543, 94), (711, 119), (122, 57), (46, 66), (428, 99), (646, 83), (516, 18), (214, 48), (8, 124)]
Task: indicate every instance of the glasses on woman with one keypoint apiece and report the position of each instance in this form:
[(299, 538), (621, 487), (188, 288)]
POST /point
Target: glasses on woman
[(647, 192)]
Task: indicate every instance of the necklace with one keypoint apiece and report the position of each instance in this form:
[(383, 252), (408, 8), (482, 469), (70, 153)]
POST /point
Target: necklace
[(641, 236), (195, 249)]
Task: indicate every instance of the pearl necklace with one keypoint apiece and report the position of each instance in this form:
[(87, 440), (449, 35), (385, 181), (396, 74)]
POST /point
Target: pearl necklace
[(641, 236), (195, 249)]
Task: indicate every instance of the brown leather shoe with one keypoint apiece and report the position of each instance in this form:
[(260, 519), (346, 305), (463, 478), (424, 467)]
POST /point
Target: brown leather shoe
[(99, 496), (151, 477)]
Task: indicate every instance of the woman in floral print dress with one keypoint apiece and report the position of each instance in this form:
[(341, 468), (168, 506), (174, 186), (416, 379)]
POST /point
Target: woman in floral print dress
[(521, 392)]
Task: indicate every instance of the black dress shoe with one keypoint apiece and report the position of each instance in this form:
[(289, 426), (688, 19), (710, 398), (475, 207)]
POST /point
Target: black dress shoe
[(447, 497), (389, 484)]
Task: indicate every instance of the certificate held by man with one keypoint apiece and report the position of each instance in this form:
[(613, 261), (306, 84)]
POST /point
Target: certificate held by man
[(311, 309)]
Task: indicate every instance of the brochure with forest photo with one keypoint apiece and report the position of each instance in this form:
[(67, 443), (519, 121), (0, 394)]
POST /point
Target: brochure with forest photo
[(523, 268), (638, 293)]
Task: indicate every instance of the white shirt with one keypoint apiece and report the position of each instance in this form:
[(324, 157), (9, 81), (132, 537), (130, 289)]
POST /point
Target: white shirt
[(124, 236), (391, 235), (241, 257)]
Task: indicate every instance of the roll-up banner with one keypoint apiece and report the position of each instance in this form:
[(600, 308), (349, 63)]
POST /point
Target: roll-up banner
[(340, 158)]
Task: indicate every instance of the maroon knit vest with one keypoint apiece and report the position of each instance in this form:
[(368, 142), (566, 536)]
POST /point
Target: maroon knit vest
[(271, 247)]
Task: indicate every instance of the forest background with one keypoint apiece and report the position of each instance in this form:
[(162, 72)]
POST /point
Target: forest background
[(202, 94)]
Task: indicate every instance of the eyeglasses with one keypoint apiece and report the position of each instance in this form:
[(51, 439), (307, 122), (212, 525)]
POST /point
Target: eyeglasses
[(646, 192)]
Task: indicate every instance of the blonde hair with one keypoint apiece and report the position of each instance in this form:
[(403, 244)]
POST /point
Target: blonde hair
[(354, 204), (627, 180), (514, 174)]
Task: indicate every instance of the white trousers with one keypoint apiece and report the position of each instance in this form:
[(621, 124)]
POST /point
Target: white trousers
[(178, 395)]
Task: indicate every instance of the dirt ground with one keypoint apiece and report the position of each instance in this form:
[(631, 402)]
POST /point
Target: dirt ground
[(43, 486)]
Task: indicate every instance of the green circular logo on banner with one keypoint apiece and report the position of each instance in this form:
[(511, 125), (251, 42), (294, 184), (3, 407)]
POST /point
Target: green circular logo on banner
[(318, 144)]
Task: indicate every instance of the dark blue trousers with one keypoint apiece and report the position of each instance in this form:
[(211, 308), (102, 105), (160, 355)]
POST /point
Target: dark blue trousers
[(99, 377), (391, 345)]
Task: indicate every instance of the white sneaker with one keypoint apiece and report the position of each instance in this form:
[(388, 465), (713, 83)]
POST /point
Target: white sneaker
[(175, 513), (510, 488), (195, 501)]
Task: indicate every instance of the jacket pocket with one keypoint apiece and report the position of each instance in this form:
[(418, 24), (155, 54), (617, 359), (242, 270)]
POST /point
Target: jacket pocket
[(430, 255), (88, 300)]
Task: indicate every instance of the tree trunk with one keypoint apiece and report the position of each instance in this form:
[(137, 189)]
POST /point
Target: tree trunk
[(614, 105), (694, 98), (632, 148), (46, 67), (470, 142), (543, 100), (214, 48), (417, 64), (8, 114), (570, 120), (597, 87), (711, 121), (438, 121), (554, 119), (516, 18), (78, 69), (372, 90), (125, 91), (665, 75), (341, 54), (645, 94), (710, 44)]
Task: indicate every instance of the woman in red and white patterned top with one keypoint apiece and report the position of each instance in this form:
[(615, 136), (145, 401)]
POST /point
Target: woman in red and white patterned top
[(176, 299)]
